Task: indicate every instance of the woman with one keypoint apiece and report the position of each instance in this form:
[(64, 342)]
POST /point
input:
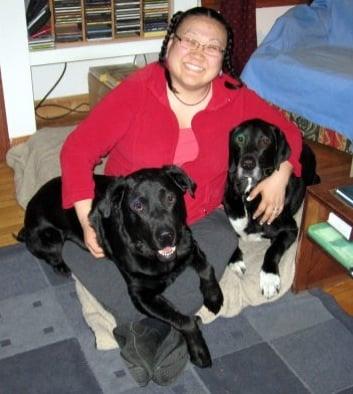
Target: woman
[(179, 110)]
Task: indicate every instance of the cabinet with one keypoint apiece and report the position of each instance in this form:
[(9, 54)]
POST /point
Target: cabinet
[(96, 20), (313, 264)]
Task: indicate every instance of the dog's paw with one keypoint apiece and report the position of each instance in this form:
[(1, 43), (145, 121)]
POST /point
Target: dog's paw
[(62, 269), (200, 355), (270, 284), (198, 350), (254, 237), (238, 267), (201, 358), (214, 299)]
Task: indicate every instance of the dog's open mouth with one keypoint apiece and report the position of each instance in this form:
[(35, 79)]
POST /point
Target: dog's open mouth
[(167, 252)]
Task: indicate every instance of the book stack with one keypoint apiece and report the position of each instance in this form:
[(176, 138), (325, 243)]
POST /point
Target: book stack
[(68, 20), (128, 17), (346, 192), (98, 16), (42, 42), (155, 17), (37, 16)]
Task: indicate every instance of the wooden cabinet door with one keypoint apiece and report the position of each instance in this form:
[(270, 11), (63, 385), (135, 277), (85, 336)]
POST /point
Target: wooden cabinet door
[(4, 136)]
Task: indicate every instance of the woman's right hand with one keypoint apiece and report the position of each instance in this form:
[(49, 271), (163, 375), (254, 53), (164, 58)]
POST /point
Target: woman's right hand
[(82, 209)]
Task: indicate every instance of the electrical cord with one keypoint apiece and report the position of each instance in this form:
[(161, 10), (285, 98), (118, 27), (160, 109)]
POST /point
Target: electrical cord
[(69, 110)]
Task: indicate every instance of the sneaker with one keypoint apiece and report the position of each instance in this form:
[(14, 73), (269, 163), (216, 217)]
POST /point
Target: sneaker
[(170, 359), (153, 350)]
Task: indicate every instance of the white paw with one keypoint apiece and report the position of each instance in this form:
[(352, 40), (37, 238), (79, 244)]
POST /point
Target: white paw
[(238, 267), (270, 284), (254, 237)]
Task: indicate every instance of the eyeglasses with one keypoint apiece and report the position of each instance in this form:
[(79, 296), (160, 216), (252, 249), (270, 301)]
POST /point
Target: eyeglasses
[(192, 44)]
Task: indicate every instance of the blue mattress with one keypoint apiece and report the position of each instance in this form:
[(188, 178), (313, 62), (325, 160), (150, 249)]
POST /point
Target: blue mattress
[(305, 64)]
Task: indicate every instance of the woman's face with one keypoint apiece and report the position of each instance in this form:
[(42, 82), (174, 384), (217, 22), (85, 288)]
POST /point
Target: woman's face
[(192, 69)]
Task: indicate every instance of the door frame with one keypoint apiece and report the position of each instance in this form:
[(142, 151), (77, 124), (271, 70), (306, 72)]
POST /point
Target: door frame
[(4, 133)]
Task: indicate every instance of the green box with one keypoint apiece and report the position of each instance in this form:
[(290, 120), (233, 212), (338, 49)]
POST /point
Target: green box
[(333, 243)]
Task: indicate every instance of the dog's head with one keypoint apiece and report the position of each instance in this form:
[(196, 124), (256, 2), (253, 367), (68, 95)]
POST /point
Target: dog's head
[(256, 149), (148, 211)]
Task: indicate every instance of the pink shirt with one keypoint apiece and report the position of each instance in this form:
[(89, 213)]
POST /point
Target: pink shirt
[(187, 147)]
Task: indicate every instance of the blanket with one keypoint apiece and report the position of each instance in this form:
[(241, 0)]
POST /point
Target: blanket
[(304, 64), (37, 160)]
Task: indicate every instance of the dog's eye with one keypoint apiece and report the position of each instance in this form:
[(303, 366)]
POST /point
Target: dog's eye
[(240, 139), (265, 141), (170, 198), (137, 206)]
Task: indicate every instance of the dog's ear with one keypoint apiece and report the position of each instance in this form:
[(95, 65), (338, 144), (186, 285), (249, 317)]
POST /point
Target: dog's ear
[(112, 196), (232, 166), (102, 208), (181, 179), (281, 146)]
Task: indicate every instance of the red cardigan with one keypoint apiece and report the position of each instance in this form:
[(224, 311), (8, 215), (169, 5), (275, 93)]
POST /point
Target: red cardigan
[(136, 127)]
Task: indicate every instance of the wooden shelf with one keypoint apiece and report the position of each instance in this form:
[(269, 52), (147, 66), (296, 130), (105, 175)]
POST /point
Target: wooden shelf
[(94, 50), (83, 21)]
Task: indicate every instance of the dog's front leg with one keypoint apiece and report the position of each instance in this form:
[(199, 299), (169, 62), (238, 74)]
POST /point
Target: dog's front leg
[(209, 286), (270, 282), (160, 308)]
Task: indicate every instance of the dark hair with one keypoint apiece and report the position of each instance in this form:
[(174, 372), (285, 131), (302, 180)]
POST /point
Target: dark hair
[(180, 16)]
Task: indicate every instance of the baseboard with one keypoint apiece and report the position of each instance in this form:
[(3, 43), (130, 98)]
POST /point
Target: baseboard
[(50, 112), (18, 140)]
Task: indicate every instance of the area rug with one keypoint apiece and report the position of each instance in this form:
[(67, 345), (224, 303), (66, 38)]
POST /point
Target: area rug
[(300, 343)]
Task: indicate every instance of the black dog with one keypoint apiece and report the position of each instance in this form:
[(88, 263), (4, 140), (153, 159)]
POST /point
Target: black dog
[(256, 150), (140, 222)]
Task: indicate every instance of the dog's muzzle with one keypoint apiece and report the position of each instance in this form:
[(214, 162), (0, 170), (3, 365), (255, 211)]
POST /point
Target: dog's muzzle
[(248, 172), (166, 239)]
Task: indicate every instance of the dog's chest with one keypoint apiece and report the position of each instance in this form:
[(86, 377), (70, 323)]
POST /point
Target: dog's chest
[(243, 228)]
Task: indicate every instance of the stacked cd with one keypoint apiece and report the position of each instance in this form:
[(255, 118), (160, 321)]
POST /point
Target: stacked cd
[(68, 20)]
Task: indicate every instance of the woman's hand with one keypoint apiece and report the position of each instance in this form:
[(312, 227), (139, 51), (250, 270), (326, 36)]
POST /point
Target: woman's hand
[(272, 191), (83, 208)]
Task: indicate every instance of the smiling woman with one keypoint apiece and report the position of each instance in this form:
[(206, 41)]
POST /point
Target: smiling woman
[(194, 58)]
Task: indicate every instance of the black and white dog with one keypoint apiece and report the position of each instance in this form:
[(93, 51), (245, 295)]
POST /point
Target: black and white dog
[(140, 222), (256, 150)]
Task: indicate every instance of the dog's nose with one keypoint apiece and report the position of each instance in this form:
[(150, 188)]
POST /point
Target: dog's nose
[(166, 237), (248, 163)]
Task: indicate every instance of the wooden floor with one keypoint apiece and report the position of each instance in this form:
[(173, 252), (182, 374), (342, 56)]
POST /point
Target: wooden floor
[(331, 164)]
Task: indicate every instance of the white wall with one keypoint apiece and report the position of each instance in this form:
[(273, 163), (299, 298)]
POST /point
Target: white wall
[(15, 72), (265, 18)]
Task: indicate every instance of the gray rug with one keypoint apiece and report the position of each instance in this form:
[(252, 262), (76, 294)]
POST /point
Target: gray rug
[(297, 344)]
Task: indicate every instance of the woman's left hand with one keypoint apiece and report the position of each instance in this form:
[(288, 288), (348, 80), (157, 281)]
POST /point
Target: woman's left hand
[(272, 191)]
